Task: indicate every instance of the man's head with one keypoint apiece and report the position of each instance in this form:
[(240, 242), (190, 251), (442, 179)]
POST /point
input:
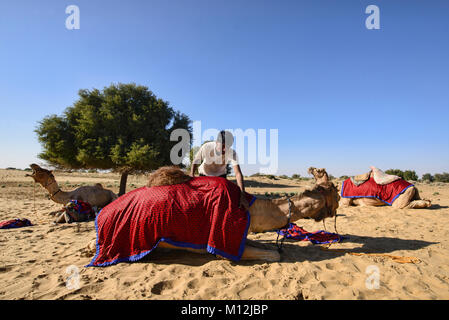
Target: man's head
[(224, 140)]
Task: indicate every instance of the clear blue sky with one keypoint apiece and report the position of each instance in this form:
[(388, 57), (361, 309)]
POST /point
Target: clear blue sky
[(342, 97)]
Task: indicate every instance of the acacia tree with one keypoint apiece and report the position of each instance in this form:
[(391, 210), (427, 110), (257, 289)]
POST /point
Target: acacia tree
[(124, 127)]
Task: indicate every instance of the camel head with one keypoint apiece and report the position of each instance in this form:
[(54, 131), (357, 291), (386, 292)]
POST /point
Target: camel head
[(320, 175), (43, 176), (328, 190)]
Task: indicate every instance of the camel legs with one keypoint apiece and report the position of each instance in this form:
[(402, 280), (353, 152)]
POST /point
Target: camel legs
[(253, 253), (418, 203), (363, 202), (345, 202), (368, 202), (410, 200), (404, 199), (250, 252)]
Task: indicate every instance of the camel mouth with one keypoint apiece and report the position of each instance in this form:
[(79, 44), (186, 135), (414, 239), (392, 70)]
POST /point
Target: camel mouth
[(34, 167)]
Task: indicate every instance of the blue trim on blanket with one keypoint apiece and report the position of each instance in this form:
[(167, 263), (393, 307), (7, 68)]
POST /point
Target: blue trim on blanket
[(96, 241), (139, 256), (389, 203)]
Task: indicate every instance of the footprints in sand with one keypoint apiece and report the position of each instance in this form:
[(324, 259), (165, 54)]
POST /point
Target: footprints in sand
[(161, 287)]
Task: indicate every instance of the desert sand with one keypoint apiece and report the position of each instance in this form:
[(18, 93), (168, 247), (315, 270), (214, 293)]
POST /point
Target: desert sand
[(42, 261)]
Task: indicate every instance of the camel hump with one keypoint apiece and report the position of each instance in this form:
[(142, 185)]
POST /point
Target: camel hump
[(98, 185), (168, 175)]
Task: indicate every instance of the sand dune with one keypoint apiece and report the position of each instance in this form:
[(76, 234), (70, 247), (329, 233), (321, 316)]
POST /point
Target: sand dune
[(40, 262)]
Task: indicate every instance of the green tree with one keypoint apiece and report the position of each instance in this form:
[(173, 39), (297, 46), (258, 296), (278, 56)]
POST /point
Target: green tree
[(442, 177), (410, 175), (406, 175), (396, 172), (427, 177), (124, 127)]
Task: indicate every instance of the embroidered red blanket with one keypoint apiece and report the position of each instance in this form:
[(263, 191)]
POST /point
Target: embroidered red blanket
[(370, 189), (202, 213), (15, 223)]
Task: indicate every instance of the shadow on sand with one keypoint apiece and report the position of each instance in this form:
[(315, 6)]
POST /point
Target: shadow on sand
[(382, 245), (436, 207), (291, 251)]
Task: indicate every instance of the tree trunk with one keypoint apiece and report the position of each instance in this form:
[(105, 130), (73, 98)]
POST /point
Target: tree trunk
[(123, 180)]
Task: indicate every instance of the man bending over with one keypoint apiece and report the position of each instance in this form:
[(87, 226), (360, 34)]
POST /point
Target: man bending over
[(212, 158)]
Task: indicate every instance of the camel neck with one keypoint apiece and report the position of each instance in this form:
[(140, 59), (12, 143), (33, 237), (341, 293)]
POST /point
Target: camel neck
[(56, 194), (52, 187), (268, 215)]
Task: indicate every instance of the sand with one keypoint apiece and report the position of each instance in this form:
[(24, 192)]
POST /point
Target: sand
[(46, 261)]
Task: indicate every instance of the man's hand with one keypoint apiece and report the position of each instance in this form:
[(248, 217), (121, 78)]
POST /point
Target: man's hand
[(243, 202), (192, 169)]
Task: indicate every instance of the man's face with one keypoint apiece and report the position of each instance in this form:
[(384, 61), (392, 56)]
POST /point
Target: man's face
[(221, 147)]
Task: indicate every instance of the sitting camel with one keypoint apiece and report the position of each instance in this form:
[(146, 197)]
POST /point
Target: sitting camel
[(407, 195), (265, 214), (95, 195)]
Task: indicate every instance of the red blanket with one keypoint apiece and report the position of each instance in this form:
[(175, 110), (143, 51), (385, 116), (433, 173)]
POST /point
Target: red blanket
[(202, 213), (370, 189)]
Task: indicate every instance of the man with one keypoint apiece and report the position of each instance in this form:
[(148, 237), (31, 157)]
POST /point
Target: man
[(213, 157)]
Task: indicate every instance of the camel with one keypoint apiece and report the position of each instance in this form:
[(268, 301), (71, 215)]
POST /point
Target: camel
[(409, 199), (95, 195), (318, 203)]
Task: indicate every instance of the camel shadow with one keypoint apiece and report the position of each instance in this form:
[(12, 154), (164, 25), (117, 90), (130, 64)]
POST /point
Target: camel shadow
[(165, 256), (437, 207), (291, 251), (383, 245)]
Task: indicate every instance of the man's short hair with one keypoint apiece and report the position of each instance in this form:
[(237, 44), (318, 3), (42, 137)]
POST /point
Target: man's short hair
[(226, 138)]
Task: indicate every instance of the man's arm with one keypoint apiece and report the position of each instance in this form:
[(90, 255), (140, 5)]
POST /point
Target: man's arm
[(239, 177), (197, 159), (193, 169)]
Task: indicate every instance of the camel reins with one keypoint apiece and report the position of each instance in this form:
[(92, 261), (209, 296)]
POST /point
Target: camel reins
[(284, 227), (49, 184)]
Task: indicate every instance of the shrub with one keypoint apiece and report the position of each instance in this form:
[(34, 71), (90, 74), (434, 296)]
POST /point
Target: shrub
[(406, 175), (441, 177)]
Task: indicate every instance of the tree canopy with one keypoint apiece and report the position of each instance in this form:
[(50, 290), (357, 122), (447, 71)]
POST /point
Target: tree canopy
[(406, 175), (123, 127)]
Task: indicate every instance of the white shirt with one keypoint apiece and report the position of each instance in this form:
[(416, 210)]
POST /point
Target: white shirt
[(212, 162)]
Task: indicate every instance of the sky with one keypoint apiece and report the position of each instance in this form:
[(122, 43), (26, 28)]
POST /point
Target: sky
[(340, 96)]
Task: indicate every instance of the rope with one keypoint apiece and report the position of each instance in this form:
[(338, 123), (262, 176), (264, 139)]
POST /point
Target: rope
[(287, 225), (34, 197)]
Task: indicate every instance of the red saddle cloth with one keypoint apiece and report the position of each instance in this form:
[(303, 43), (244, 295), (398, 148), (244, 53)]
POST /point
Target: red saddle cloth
[(202, 213), (370, 189)]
